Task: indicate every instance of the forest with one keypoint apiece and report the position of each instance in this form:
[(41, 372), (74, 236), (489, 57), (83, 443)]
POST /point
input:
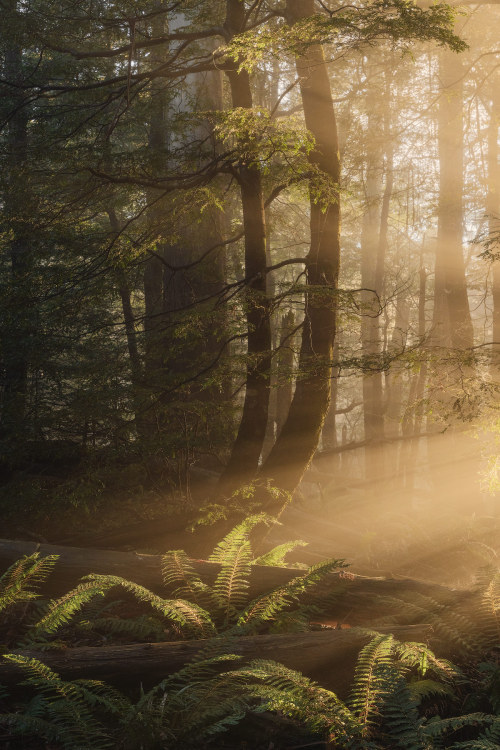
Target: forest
[(249, 374)]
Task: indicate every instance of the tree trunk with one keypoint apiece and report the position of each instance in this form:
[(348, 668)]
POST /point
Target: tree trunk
[(452, 323), (301, 432), (131, 334), (326, 656), (493, 212), (373, 411), (284, 393), (246, 451)]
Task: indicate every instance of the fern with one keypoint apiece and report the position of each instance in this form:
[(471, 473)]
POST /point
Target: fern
[(276, 556), (139, 628), (400, 715), (298, 697), (18, 584), (370, 686), (423, 658), (489, 611), (179, 576), (455, 627), (61, 611), (267, 606), (237, 537), (232, 582), (67, 707)]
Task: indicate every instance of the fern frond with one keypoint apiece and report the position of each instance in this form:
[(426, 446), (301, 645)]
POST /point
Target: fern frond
[(267, 606), (232, 582), (67, 706), (421, 689), (492, 733), (24, 724), (399, 711), (489, 622), (180, 576), (455, 627), (423, 658), (61, 611), (276, 556), (370, 685), (437, 727), (142, 627), (296, 696), (19, 582), (185, 614), (227, 547)]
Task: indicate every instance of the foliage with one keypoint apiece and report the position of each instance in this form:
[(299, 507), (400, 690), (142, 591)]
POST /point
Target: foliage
[(18, 584), (470, 630), (197, 610), (388, 707)]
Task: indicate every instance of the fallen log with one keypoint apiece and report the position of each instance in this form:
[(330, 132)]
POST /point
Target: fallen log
[(357, 600), (328, 656)]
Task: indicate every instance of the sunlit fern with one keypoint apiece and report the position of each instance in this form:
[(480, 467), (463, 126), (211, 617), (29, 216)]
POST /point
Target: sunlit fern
[(196, 609), (19, 583), (187, 616), (383, 709), (227, 598), (468, 625), (200, 701)]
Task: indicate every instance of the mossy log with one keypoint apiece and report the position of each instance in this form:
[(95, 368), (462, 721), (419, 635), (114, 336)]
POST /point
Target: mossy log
[(327, 656), (356, 600)]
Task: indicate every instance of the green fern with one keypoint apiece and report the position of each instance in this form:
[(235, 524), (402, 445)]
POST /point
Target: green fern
[(370, 683), (180, 577), (267, 606), (276, 556), (296, 696), (186, 615), (19, 583), (61, 711), (185, 708), (141, 628)]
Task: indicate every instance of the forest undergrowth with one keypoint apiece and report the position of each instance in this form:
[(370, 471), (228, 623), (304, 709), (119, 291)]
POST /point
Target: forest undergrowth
[(402, 694)]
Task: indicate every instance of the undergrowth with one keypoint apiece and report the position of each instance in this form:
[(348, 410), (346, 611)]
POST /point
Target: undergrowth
[(402, 696), (195, 610)]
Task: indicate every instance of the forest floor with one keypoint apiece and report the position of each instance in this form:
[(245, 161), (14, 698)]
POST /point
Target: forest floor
[(411, 520)]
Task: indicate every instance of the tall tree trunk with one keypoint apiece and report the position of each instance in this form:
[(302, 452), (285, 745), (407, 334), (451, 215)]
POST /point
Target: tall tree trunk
[(373, 411), (246, 451), (301, 432), (284, 390), (394, 383), (493, 212), (422, 375), (136, 370), (452, 324), (329, 433)]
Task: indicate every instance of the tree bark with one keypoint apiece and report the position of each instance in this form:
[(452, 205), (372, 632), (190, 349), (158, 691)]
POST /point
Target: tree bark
[(299, 437), (371, 281), (326, 656), (452, 323), (246, 450), (493, 212)]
